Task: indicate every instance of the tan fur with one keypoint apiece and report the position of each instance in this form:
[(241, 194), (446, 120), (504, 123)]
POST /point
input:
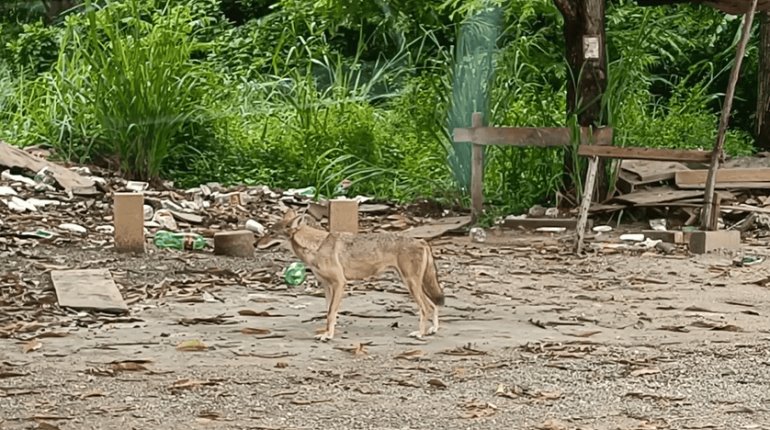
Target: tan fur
[(335, 258)]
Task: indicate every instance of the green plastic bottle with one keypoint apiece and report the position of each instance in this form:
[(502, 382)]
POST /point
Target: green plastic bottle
[(294, 274), (180, 241)]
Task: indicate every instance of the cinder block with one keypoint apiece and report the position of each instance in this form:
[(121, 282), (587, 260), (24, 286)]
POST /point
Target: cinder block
[(702, 242), (128, 220), (670, 236), (343, 216), (238, 243)]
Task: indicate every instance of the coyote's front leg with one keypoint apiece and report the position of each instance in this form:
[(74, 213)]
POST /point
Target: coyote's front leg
[(334, 288)]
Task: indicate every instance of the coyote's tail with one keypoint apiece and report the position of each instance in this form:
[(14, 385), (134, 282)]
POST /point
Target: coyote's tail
[(430, 284)]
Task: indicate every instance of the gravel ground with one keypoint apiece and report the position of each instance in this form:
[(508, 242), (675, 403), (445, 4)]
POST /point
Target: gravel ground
[(531, 338)]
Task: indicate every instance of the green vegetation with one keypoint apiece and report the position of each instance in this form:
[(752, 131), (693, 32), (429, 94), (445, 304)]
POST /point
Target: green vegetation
[(292, 93)]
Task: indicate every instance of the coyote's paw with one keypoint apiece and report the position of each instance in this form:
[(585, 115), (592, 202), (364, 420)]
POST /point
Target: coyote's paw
[(432, 330), (416, 335), (323, 337)]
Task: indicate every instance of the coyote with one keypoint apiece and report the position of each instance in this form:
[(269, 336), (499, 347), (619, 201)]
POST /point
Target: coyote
[(335, 258)]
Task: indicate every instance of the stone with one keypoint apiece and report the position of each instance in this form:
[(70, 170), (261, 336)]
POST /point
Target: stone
[(702, 242), (236, 243)]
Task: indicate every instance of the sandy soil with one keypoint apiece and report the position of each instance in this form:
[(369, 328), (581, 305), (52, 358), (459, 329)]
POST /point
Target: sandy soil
[(531, 338)]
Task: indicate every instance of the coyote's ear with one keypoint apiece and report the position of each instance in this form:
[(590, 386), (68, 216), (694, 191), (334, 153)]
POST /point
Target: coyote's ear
[(296, 222)]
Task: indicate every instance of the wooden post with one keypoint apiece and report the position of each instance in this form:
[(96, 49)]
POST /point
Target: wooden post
[(585, 203), (710, 212), (128, 220), (477, 173)]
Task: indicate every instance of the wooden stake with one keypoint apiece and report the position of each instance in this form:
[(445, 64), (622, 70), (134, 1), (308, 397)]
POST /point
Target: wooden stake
[(585, 203), (710, 211), (477, 173)]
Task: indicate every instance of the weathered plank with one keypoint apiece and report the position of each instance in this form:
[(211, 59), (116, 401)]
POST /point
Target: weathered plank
[(529, 136), (10, 156), (633, 153), (658, 195), (477, 174), (438, 228), (697, 178), (535, 223), (585, 204), (652, 171), (91, 289)]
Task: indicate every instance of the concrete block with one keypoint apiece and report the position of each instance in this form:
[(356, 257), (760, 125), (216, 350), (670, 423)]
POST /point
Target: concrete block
[(670, 236), (128, 220), (237, 243), (702, 242), (343, 216)]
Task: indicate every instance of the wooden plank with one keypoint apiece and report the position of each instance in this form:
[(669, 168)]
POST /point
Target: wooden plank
[(91, 289), (696, 177), (10, 156), (534, 223), (728, 186), (585, 203), (658, 195), (437, 228), (633, 153), (477, 173), (627, 182), (529, 136), (649, 171)]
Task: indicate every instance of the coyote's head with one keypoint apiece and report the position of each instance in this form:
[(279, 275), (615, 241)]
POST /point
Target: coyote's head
[(282, 230)]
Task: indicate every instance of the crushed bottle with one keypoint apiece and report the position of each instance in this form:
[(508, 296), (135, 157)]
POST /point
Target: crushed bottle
[(294, 274), (181, 241)]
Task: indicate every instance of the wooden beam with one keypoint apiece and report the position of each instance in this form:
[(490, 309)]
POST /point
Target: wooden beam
[(686, 178), (710, 211), (634, 153), (477, 173), (529, 136)]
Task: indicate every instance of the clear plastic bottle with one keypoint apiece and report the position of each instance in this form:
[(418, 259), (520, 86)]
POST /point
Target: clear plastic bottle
[(182, 241)]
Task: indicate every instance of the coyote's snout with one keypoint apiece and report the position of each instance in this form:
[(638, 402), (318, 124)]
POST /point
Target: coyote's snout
[(335, 258)]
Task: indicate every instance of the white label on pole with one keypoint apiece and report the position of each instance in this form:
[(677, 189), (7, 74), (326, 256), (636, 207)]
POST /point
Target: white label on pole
[(591, 47)]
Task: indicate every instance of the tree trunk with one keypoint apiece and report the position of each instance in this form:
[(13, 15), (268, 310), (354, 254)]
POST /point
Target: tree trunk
[(763, 78), (587, 73), (53, 8)]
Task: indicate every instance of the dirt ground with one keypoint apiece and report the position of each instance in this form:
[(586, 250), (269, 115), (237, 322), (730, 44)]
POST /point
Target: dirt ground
[(531, 338)]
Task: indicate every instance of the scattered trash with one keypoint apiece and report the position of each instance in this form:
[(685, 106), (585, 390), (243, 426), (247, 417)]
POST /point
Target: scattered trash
[(182, 241), (658, 224), (75, 228), (148, 212), (303, 192), (294, 275), (478, 234), (165, 219), (552, 212), (632, 237), (602, 229), (551, 229), (7, 191), (44, 180), (256, 227), (748, 260), (137, 186)]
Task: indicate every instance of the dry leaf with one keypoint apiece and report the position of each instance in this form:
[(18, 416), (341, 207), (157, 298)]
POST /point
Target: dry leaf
[(308, 401), (32, 345), (463, 350), (438, 383), (412, 354), (184, 384), (191, 345), (552, 424), (92, 393), (281, 365), (42, 425), (476, 409), (253, 313), (253, 330), (357, 350), (645, 371), (548, 395), (129, 365)]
